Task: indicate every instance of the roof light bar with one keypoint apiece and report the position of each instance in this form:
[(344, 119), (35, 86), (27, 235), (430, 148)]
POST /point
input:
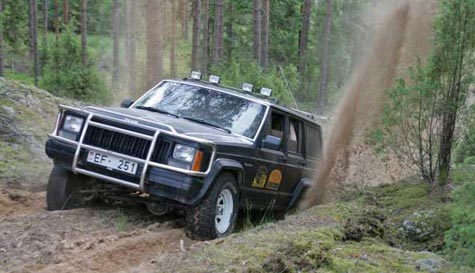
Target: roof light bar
[(195, 75), (266, 91), (247, 87), (214, 79)]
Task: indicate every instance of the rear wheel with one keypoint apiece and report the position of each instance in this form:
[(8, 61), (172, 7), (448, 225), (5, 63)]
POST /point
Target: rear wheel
[(216, 216), (62, 186)]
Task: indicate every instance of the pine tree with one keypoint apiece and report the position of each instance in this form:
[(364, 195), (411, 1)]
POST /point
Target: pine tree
[(84, 32), (324, 60), (205, 43), (173, 39), (303, 41), (218, 32), (265, 33), (257, 30), (115, 41), (196, 33)]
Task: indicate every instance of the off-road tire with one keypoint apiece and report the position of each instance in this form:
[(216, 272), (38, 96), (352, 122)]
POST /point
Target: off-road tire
[(200, 220), (62, 185)]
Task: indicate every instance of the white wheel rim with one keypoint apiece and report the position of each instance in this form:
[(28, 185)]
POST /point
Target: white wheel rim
[(224, 210)]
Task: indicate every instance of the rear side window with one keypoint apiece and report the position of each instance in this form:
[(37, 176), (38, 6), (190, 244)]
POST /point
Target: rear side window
[(313, 144), (295, 139)]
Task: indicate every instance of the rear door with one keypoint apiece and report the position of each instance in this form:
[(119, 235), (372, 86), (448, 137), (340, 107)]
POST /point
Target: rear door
[(295, 157)]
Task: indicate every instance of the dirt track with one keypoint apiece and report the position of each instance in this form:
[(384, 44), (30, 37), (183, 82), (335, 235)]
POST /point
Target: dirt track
[(99, 239)]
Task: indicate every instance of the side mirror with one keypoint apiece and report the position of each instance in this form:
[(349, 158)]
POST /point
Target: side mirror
[(126, 103), (271, 142)]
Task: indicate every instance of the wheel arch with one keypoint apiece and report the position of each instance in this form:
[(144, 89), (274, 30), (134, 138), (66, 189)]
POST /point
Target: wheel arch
[(303, 185), (221, 165)]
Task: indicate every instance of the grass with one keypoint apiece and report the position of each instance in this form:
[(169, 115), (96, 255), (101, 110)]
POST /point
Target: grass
[(122, 221), (362, 230)]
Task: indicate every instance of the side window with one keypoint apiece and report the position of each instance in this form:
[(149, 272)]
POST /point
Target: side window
[(277, 125), (314, 146), (295, 139)]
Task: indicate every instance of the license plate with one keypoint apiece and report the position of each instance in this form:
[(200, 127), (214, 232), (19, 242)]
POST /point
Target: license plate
[(112, 162)]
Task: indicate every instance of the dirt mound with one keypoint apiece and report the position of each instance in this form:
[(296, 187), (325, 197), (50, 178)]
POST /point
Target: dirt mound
[(16, 202), (403, 35), (102, 239)]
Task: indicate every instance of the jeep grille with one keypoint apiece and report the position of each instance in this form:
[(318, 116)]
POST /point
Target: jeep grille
[(125, 144)]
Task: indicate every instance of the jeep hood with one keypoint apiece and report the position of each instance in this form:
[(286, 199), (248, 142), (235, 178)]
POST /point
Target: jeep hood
[(163, 121)]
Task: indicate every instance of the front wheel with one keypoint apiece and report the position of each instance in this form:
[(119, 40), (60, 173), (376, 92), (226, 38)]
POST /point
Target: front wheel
[(62, 186), (216, 216)]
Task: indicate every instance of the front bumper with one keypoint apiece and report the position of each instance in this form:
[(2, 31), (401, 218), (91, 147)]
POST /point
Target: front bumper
[(161, 180)]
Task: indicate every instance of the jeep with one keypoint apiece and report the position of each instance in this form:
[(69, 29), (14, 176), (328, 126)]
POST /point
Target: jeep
[(193, 145)]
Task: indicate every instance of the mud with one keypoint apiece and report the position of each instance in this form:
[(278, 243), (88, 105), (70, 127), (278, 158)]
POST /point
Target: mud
[(403, 35), (99, 239)]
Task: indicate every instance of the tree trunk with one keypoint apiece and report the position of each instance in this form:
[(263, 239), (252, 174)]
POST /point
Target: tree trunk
[(56, 21), (218, 41), (325, 64), (205, 47), (84, 32), (34, 38), (265, 33), (229, 31), (65, 12), (303, 41), (257, 31), (130, 44), (2, 61), (173, 40), (153, 47), (45, 30), (115, 41), (196, 33), (184, 19)]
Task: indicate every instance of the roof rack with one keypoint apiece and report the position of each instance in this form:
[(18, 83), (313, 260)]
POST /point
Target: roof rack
[(257, 95)]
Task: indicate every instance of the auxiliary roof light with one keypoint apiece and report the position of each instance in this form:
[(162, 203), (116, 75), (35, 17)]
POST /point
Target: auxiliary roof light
[(247, 87), (214, 79), (266, 91), (195, 75)]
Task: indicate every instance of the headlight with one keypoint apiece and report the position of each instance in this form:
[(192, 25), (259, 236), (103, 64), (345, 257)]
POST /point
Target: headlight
[(71, 127), (183, 153), (72, 124)]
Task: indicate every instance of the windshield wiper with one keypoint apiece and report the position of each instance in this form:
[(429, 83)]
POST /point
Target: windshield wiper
[(197, 120), (152, 109)]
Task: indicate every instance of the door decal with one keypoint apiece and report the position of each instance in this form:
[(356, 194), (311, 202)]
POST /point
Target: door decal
[(275, 178), (260, 178)]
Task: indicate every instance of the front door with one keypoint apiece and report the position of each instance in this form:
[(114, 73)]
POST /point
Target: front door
[(270, 166)]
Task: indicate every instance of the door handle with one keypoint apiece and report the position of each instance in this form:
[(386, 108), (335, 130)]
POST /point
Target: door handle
[(302, 162), (282, 159)]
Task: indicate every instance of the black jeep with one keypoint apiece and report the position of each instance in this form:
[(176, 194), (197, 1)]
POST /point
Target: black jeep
[(189, 144)]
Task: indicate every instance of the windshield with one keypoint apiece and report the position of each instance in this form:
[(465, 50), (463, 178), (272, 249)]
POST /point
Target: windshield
[(233, 113)]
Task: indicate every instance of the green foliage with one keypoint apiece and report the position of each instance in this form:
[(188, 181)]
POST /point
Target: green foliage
[(239, 71), (14, 20), (466, 147), (461, 238), (64, 74), (420, 117), (409, 121)]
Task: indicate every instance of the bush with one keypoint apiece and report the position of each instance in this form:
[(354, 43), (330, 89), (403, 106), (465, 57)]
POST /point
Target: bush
[(469, 160), (64, 74), (460, 239)]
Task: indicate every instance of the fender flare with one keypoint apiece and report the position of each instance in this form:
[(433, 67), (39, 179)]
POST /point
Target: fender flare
[(220, 165), (303, 185)]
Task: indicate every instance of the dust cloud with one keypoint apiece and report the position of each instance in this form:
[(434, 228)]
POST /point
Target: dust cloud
[(402, 35)]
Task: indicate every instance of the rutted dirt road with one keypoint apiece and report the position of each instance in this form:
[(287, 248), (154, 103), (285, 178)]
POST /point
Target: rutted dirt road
[(99, 239)]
